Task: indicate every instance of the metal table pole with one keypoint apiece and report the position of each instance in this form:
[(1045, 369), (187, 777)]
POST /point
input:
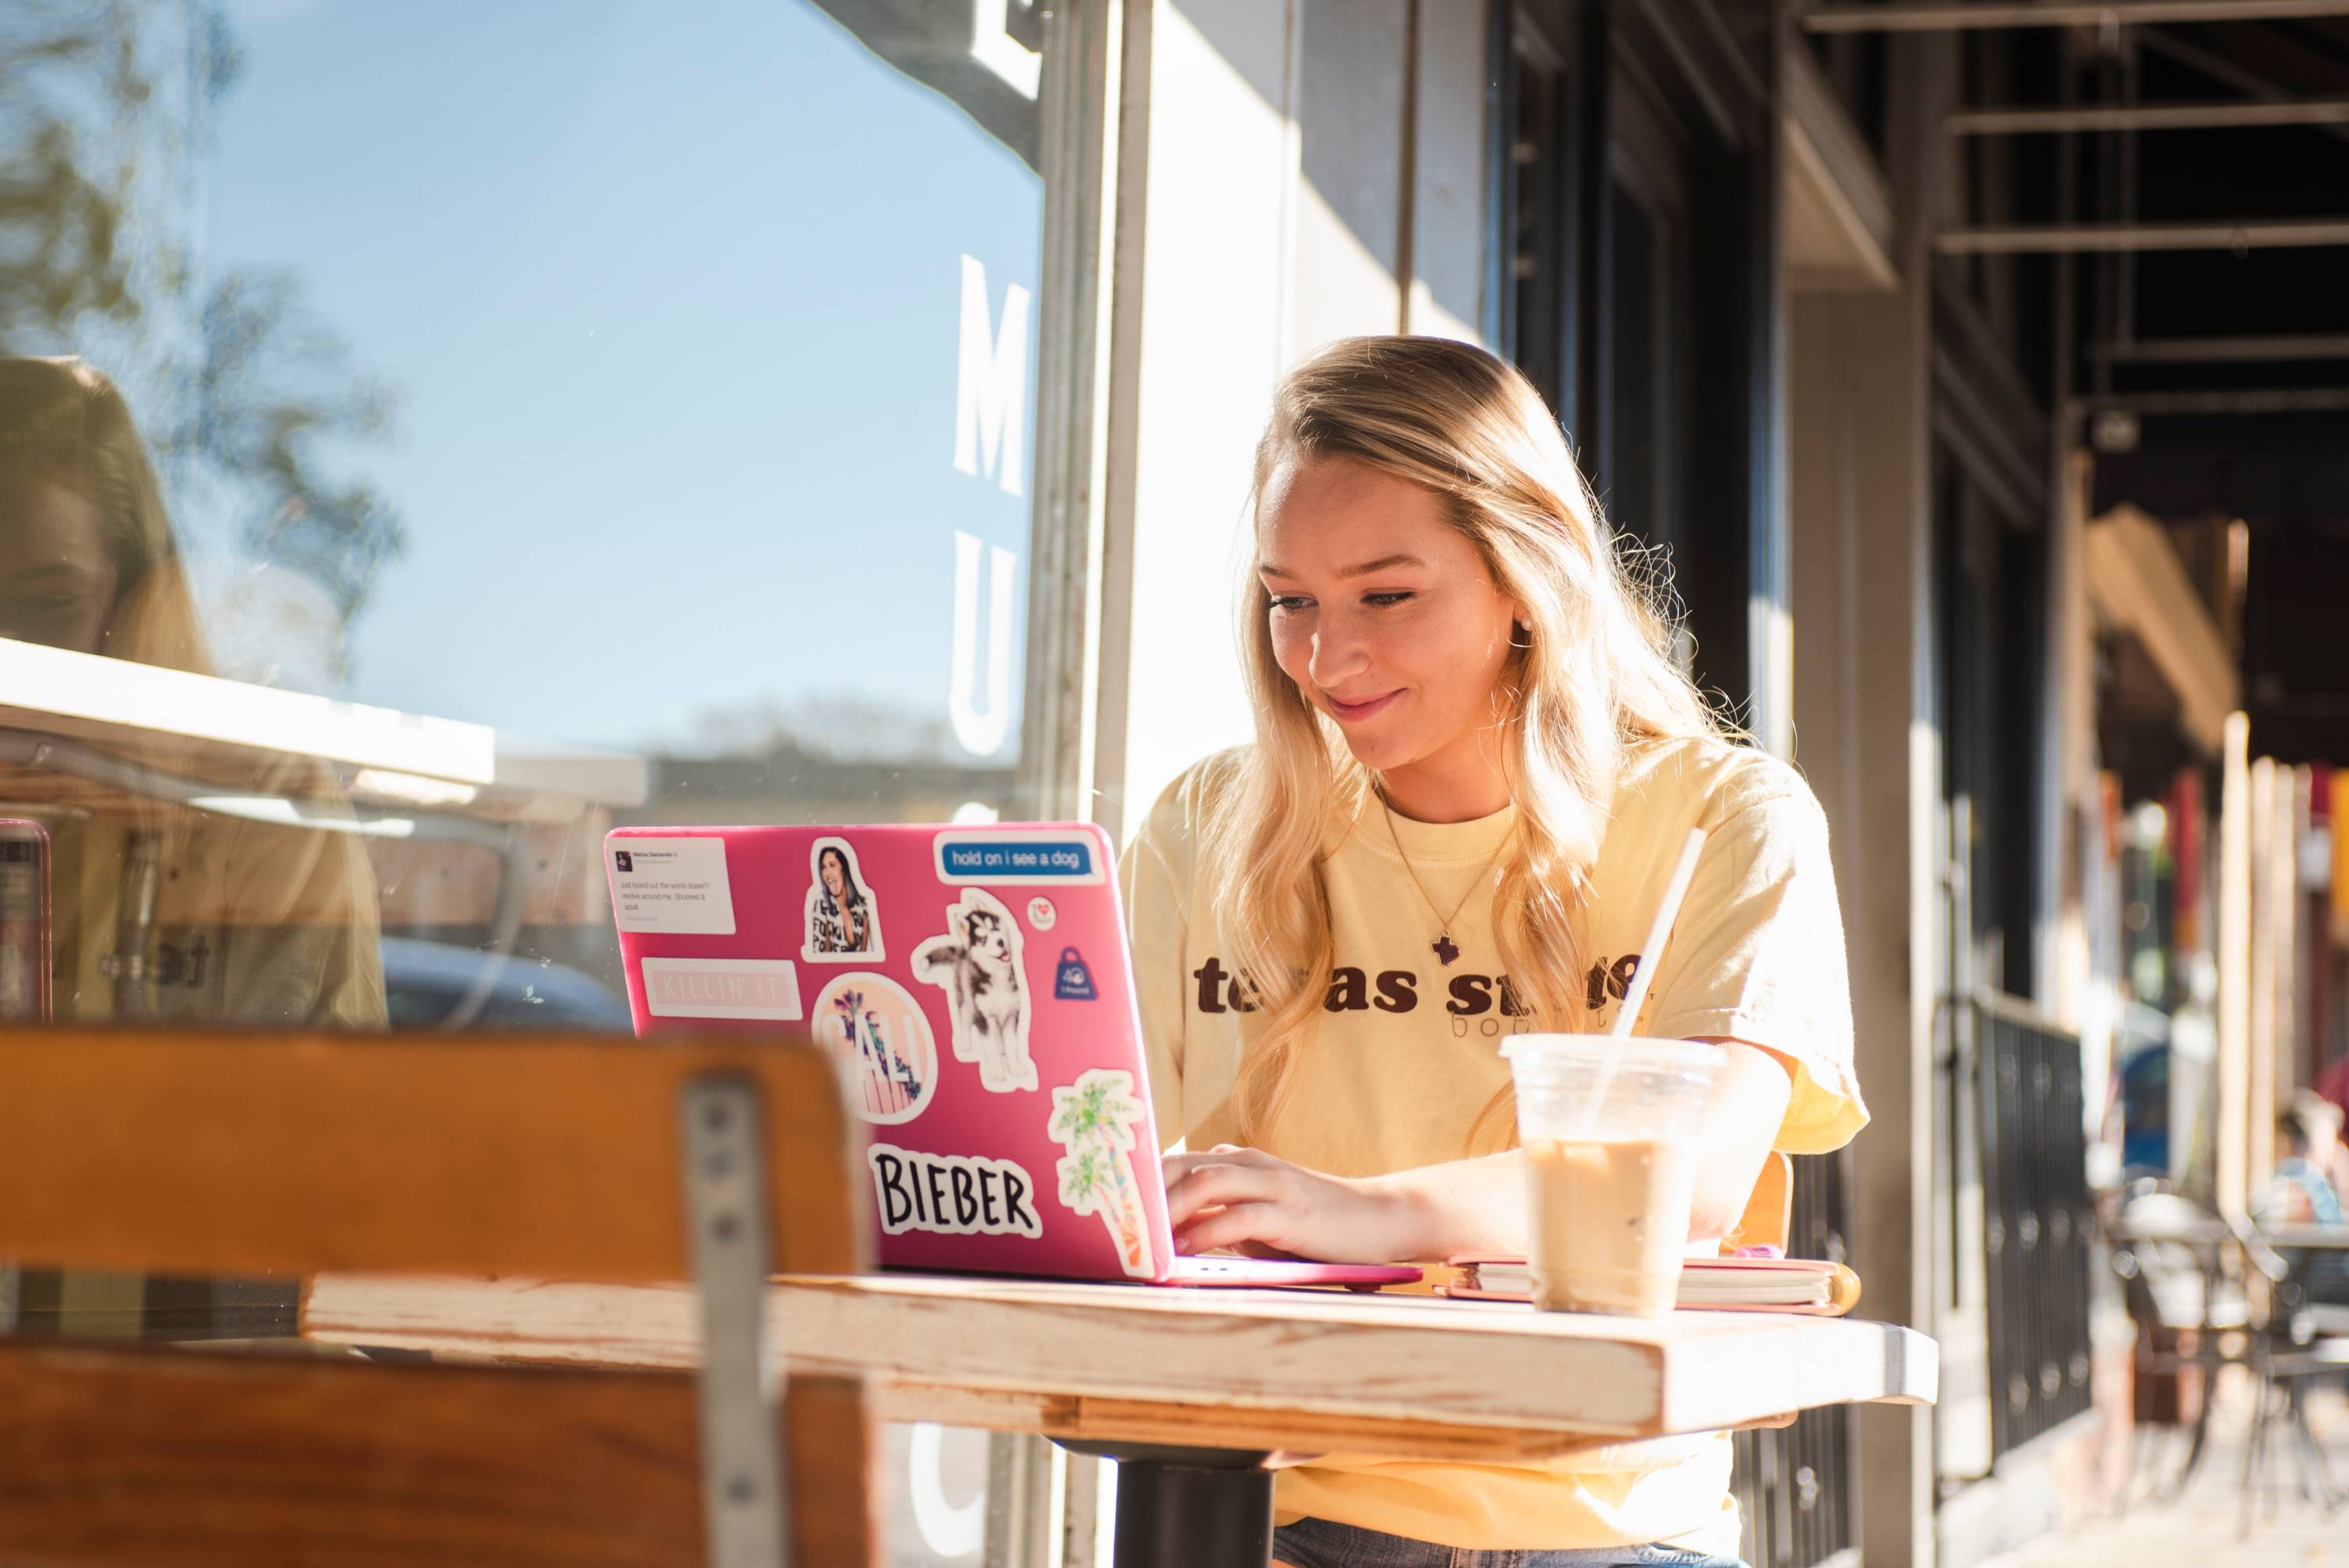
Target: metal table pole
[(1189, 1508)]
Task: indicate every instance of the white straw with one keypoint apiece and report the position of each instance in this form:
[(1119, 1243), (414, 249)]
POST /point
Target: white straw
[(1659, 932), (1651, 951)]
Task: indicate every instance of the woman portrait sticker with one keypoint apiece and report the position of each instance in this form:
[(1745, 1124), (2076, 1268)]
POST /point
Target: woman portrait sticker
[(843, 916)]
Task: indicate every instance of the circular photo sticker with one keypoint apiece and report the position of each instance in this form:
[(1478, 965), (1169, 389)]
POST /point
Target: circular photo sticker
[(1040, 913), (882, 1044)]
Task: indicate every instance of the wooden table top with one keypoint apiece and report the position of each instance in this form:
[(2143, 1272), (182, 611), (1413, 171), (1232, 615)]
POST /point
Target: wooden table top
[(1400, 1374)]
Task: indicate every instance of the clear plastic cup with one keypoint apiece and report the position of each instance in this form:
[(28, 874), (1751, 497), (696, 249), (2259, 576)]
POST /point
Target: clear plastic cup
[(1611, 1157)]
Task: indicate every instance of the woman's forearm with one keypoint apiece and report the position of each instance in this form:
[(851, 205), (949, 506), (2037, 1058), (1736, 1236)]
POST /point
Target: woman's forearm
[(1460, 1208), (1471, 1206), (1233, 1197), (1741, 1123)]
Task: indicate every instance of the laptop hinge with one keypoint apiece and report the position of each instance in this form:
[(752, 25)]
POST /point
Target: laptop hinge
[(743, 1506)]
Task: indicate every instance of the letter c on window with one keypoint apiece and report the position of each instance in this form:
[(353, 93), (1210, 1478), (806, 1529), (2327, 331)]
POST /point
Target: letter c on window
[(950, 1530)]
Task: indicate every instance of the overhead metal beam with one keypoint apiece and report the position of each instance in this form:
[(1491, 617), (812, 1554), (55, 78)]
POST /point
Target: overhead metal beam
[(1917, 17), (2235, 113), (2072, 238), (2223, 350), (2252, 400), (2223, 70)]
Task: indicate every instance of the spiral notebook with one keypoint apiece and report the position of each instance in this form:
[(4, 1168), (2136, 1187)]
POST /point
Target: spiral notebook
[(1711, 1284)]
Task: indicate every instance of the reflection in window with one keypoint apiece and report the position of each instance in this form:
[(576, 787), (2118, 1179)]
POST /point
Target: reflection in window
[(423, 447), (169, 896), (665, 395), (657, 385), (654, 384)]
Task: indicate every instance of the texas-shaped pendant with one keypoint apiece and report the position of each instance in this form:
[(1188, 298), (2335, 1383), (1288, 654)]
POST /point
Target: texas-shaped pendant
[(1445, 949)]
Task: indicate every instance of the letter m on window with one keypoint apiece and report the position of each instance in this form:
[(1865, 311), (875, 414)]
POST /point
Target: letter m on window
[(990, 381)]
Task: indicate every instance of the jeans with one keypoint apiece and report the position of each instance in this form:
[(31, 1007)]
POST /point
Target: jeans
[(1318, 1543)]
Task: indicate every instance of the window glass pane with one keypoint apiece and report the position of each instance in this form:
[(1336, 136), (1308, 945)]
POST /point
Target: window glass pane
[(430, 436), (638, 405)]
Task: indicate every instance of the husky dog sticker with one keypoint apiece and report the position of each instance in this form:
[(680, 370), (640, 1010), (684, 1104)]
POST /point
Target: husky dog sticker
[(977, 963)]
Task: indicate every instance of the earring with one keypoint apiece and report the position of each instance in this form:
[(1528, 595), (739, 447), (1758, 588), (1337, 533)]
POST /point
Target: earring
[(1516, 629)]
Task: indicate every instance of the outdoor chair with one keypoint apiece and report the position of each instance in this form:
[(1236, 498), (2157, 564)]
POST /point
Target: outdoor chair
[(2300, 1340), (2191, 1319), (716, 1160)]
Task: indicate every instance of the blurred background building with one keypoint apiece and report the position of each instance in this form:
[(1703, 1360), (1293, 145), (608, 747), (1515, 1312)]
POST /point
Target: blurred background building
[(842, 409)]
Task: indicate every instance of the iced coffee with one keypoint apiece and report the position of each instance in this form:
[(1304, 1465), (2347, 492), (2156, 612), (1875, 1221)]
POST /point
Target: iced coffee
[(1610, 1128), (1605, 1236)]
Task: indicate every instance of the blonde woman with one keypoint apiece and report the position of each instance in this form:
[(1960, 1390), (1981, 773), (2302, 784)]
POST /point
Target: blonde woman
[(1476, 761), (244, 924)]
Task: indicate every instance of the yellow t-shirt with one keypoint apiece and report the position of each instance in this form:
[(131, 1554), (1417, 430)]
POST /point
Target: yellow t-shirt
[(1407, 1057)]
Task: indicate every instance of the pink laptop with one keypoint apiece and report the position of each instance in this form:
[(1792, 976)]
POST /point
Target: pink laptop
[(975, 987)]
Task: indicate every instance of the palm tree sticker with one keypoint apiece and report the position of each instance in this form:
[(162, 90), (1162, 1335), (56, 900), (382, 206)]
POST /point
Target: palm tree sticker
[(1093, 1119)]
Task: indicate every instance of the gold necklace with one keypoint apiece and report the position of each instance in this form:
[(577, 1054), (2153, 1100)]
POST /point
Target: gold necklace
[(1443, 947)]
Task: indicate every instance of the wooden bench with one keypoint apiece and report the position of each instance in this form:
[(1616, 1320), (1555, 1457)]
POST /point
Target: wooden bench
[(552, 1156)]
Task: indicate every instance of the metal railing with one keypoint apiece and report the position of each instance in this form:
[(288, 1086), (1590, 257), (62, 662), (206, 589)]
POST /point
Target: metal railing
[(2037, 1219), (1793, 1484)]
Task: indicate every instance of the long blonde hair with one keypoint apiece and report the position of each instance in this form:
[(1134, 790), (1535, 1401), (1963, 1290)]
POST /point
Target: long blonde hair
[(1594, 675)]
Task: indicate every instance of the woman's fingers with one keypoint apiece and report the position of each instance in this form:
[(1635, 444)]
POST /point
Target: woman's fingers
[(1233, 1226), (1207, 1186), (1180, 1165)]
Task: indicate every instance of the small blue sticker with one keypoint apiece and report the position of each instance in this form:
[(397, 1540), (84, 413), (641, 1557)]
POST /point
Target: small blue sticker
[(1071, 981)]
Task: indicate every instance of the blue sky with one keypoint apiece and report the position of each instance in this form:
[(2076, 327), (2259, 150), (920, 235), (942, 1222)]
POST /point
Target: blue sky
[(671, 295)]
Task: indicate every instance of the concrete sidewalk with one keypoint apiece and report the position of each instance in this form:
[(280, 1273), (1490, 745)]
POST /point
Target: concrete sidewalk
[(2204, 1527)]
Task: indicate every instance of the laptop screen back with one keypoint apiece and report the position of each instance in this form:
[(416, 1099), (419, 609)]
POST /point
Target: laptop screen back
[(974, 986)]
